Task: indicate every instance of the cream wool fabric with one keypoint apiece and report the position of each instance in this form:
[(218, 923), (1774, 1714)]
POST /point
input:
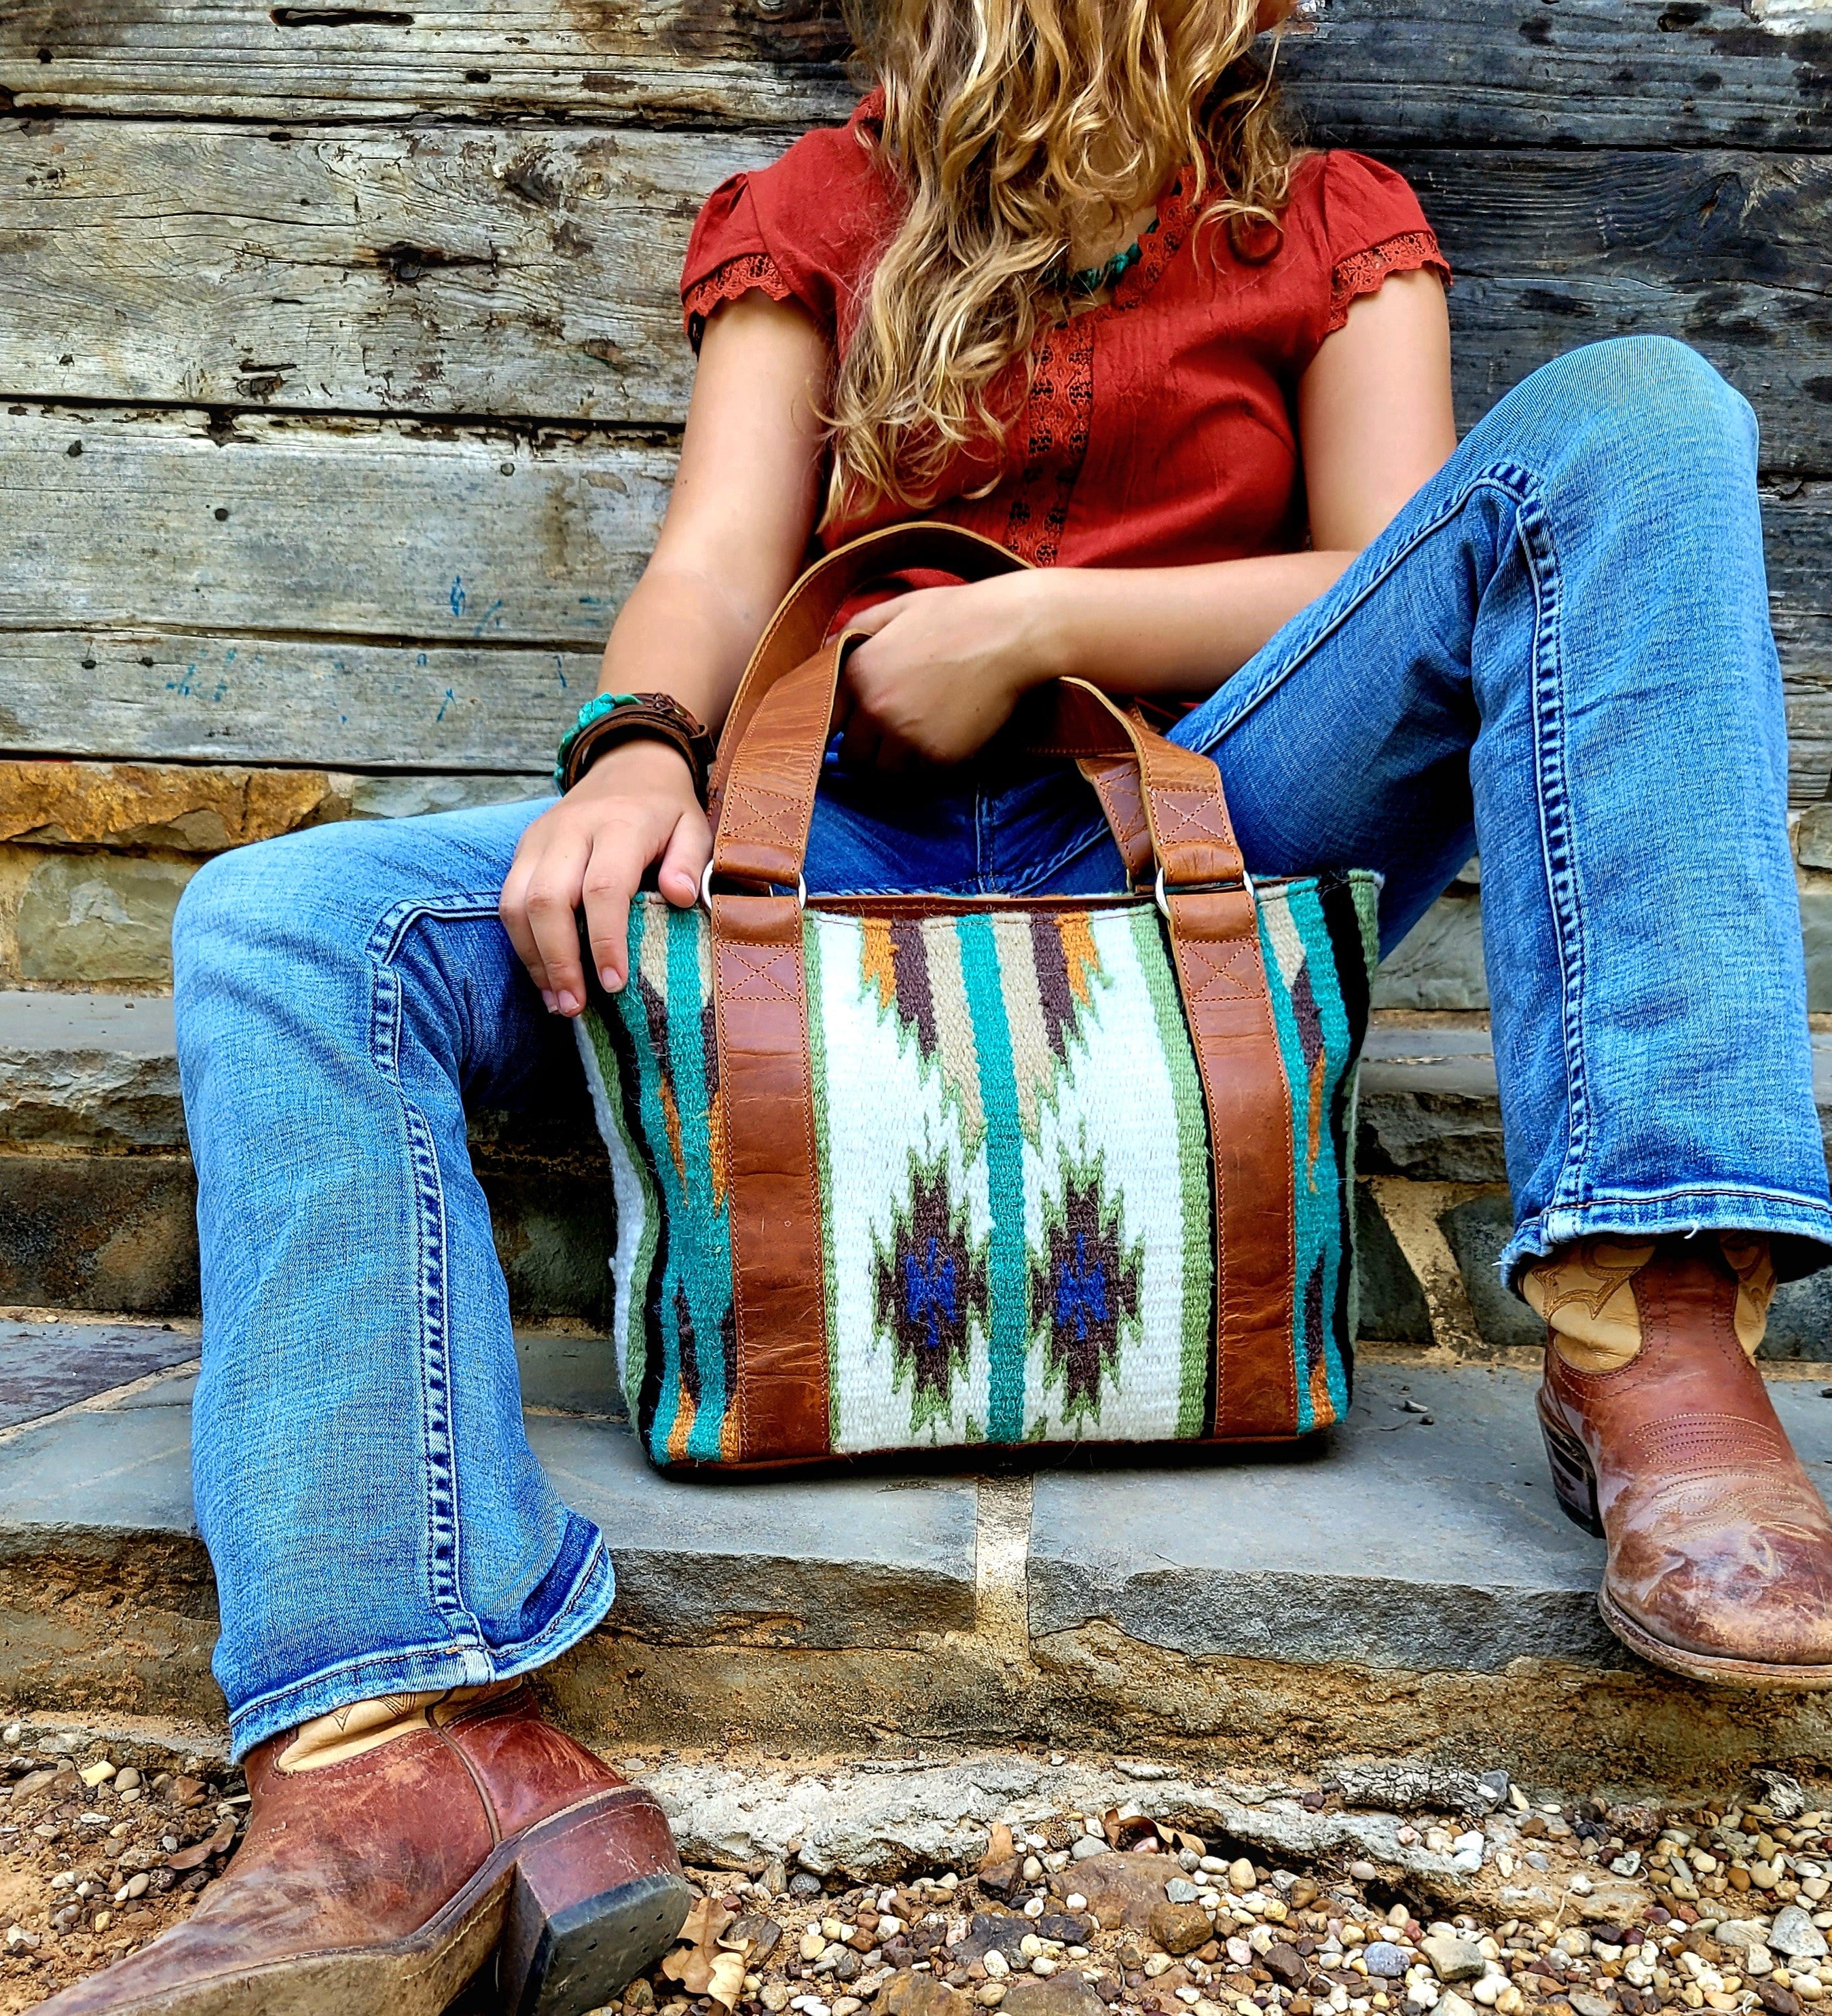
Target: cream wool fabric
[(1586, 1292)]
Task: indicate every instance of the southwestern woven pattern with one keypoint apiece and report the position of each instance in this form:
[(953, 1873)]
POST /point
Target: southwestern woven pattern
[(1014, 1173)]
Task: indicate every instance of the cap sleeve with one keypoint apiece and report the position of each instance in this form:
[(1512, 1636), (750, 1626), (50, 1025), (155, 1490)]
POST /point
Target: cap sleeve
[(727, 256), (806, 228), (1373, 227)]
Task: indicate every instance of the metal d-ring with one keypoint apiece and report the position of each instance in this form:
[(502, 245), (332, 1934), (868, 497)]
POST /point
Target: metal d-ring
[(705, 890), (1243, 880)]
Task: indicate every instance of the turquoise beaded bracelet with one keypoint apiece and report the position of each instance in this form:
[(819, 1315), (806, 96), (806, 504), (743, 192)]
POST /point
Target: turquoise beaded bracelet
[(594, 711)]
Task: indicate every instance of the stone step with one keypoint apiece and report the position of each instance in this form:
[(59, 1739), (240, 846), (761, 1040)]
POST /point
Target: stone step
[(96, 1192), (93, 858), (1406, 1582)]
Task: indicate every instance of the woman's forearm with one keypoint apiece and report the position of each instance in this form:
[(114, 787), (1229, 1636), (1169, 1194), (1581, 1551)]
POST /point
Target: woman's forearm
[(682, 632), (745, 493), (1180, 630)]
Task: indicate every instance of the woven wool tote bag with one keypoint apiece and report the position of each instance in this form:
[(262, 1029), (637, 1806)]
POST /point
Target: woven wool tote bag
[(923, 1171)]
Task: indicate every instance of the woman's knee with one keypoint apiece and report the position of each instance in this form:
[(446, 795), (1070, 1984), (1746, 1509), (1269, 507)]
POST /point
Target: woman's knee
[(243, 911), (327, 891), (1640, 403)]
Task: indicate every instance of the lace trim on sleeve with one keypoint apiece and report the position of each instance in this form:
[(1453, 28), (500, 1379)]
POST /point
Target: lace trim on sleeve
[(726, 283), (1364, 272)]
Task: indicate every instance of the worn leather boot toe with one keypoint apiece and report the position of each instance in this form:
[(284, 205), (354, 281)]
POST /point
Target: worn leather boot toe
[(379, 1886), (1720, 1549)]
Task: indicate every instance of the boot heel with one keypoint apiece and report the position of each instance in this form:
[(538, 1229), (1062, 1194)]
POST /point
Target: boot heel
[(589, 1910), (1572, 1478)]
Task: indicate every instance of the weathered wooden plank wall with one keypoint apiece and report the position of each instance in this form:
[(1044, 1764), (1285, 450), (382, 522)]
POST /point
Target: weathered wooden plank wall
[(342, 371), (1593, 73)]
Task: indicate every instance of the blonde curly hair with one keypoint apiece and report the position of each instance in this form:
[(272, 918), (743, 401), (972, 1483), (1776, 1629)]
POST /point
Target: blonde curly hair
[(1008, 124)]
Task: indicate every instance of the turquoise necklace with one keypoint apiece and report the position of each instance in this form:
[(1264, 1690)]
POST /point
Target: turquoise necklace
[(1091, 279), (1110, 272)]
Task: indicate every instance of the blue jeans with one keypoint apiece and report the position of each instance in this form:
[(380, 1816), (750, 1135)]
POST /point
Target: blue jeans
[(1560, 649)]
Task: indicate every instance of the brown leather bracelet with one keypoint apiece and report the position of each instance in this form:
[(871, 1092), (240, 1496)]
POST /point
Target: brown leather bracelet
[(657, 717)]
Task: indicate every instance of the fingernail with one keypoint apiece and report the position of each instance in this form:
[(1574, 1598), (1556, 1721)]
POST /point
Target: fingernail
[(610, 979), (547, 996), (567, 1005)]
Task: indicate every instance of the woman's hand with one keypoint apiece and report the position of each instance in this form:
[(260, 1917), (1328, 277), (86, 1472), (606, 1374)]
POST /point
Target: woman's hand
[(635, 805), (942, 669)]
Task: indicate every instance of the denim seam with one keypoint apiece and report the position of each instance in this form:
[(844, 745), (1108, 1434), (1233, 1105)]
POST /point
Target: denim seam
[(503, 1661), (1683, 1209), (1557, 851), (1096, 830), (1634, 1200), (1521, 488), (445, 1546)]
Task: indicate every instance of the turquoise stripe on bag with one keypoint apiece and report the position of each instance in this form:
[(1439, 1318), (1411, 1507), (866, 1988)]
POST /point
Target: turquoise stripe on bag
[(1007, 1262), (704, 1261)]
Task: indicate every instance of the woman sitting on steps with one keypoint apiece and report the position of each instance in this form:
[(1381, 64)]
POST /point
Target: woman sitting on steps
[(1062, 279)]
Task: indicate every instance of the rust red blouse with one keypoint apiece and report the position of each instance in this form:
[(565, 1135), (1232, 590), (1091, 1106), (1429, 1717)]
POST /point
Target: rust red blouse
[(1160, 426)]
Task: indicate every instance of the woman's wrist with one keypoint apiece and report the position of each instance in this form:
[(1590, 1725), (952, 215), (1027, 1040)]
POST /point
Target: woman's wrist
[(644, 765), (1043, 650), (609, 719)]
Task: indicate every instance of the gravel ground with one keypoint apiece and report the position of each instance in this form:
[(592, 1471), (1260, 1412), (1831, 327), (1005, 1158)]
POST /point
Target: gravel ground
[(105, 1841), (102, 1845)]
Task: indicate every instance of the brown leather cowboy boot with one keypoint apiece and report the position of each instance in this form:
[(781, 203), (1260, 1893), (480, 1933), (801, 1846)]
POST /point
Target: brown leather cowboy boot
[(377, 1885), (1720, 1549)]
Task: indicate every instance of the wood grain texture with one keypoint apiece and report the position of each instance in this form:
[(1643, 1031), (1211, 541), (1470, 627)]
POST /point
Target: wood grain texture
[(461, 271), (1590, 73), (383, 595), (532, 272), (238, 698), (357, 528), (711, 63), (1726, 251), (1751, 74)]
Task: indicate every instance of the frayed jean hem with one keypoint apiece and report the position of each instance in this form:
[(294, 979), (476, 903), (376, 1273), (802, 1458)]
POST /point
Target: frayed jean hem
[(423, 1669)]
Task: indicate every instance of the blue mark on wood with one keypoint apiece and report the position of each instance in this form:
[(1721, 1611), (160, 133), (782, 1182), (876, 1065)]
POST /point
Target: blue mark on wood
[(457, 596), (559, 671), (483, 620), (445, 703)]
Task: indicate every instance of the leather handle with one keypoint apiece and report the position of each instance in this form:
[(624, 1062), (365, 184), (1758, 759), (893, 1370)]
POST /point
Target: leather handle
[(762, 832), (1164, 803), (800, 625)]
